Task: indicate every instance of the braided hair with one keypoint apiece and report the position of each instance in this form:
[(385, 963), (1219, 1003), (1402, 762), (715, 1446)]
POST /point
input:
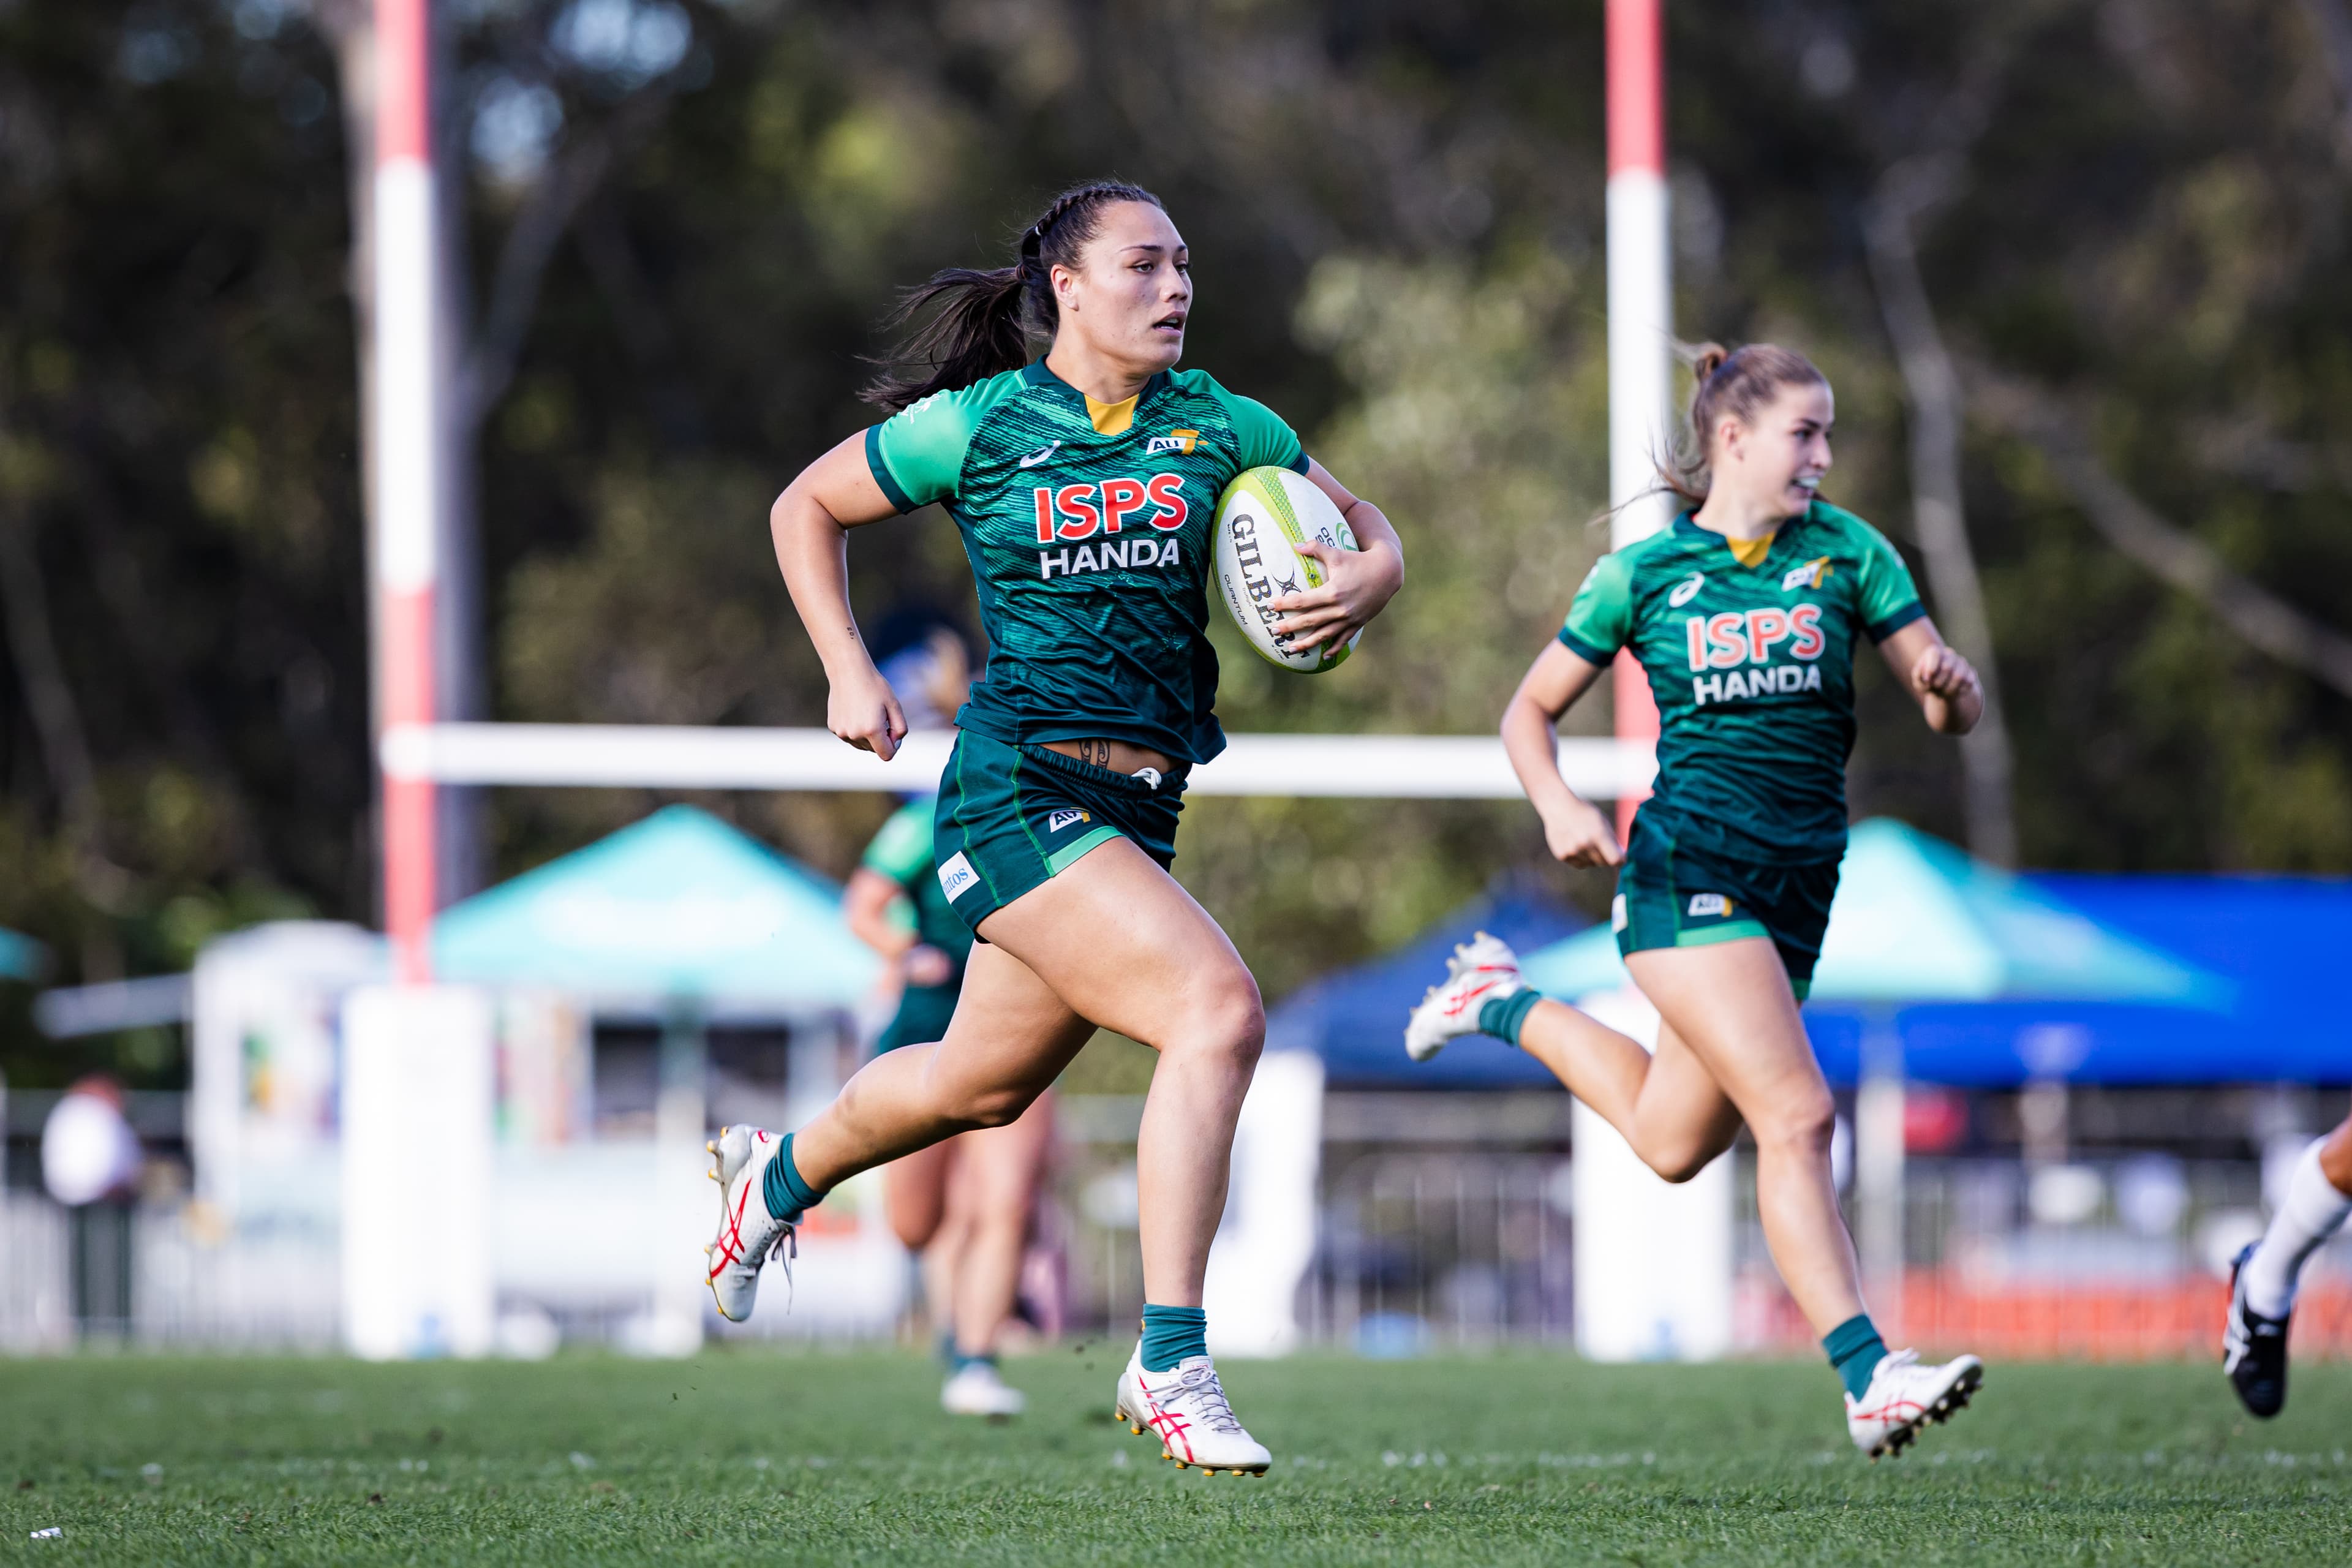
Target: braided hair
[(1740, 382), (986, 315)]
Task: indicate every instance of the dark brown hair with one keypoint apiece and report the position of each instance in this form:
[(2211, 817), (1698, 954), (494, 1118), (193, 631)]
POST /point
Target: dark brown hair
[(986, 316), (1739, 381)]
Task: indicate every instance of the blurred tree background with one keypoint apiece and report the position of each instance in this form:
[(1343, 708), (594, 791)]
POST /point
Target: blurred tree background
[(686, 219)]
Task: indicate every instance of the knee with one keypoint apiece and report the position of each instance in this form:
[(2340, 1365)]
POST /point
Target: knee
[(1680, 1163), (991, 1108), (1804, 1126), (1227, 1028)]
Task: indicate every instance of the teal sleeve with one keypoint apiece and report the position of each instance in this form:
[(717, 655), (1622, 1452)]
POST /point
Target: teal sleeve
[(1265, 440), (1600, 619), (902, 850), (1889, 599), (917, 454)]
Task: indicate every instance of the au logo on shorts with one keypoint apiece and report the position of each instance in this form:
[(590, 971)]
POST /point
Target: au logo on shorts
[(1070, 818), (957, 876), (1704, 904)]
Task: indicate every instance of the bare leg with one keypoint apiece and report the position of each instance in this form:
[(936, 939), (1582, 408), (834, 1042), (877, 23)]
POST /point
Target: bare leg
[(1113, 940), (996, 1183), (1731, 1006), (2336, 1156), (1668, 1107), (914, 1193)]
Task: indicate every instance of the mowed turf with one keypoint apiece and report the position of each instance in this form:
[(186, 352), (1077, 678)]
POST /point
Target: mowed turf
[(777, 1457)]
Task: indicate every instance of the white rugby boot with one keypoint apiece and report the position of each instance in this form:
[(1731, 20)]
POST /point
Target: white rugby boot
[(977, 1390), (1481, 970), (1186, 1407), (1904, 1396), (748, 1234)]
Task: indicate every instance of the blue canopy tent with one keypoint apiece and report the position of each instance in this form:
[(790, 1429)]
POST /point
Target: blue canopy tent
[(1990, 979), (1354, 1019), (679, 906)]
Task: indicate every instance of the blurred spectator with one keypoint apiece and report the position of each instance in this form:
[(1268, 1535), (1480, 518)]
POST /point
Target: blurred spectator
[(91, 1161)]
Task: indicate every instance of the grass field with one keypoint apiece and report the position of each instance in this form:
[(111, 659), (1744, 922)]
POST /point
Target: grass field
[(807, 1458)]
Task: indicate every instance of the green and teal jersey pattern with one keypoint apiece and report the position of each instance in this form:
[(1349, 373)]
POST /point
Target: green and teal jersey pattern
[(902, 852), (1753, 666), (1088, 526)]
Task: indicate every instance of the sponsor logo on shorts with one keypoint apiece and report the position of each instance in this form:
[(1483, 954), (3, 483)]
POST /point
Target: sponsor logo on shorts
[(1174, 441), (956, 877), (1618, 919), (1061, 819), (1687, 589), (1704, 904), (1812, 574)]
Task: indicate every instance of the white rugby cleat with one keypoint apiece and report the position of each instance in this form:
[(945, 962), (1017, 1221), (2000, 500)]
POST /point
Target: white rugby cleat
[(1481, 969), (1186, 1407), (978, 1391), (748, 1234), (1904, 1396)]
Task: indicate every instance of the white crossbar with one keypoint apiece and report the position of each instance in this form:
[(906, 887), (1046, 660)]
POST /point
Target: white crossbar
[(679, 756)]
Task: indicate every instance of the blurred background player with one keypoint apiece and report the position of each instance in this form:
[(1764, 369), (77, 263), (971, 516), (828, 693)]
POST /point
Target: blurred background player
[(1745, 614), (964, 1204), (2263, 1278), (1085, 485)]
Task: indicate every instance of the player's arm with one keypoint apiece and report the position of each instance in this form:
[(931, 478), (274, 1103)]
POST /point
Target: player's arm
[(1944, 684), (1357, 584), (810, 523), (1578, 832), (867, 905)]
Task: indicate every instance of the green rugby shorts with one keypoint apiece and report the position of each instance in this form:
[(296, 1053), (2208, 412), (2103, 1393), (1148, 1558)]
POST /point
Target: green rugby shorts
[(922, 1016), (1011, 817), (1674, 895)]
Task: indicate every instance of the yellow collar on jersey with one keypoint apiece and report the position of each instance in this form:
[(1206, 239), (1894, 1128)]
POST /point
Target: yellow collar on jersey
[(1747, 552), (1111, 419)]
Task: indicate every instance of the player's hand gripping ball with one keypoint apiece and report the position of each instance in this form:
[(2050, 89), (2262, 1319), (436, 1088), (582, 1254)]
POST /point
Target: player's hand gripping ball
[(1264, 519)]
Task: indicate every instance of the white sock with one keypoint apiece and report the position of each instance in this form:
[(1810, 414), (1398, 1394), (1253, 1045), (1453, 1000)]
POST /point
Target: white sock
[(2311, 1212)]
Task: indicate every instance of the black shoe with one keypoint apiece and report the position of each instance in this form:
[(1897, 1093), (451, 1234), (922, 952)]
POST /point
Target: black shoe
[(2254, 1348)]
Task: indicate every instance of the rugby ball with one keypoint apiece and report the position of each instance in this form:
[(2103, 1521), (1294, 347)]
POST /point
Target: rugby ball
[(1262, 519)]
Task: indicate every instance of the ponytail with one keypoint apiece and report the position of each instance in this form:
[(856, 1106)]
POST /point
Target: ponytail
[(986, 316), (1739, 381)]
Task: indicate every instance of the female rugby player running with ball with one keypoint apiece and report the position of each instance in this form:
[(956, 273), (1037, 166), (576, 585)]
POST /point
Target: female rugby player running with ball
[(1744, 614), (1086, 487)]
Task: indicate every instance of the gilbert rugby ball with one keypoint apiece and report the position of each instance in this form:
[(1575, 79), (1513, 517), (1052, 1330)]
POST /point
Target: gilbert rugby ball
[(1262, 519)]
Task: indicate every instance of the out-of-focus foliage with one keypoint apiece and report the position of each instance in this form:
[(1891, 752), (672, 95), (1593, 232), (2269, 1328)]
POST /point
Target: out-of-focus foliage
[(1396, 215)]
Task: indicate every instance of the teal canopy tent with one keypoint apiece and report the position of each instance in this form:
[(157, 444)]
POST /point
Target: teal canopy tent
[(1918, 921), (21, 958), (678, 906)]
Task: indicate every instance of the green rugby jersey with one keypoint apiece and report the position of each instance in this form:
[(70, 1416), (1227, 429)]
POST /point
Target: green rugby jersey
[(1088, 529), (1752, 661), (902, 852)]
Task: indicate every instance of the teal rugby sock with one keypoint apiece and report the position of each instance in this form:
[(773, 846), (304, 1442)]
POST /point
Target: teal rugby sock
[(1172, 1335), (1855, 1350), (782, 1189), (1504, 1016)]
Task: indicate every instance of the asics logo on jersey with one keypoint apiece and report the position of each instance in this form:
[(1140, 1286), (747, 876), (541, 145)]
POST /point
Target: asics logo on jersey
[(1037, 456), (1812, 574), (1174, 441), (1736, 638), (1704, 904), (1061, 819), (1687, 589), (1080, 512)]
